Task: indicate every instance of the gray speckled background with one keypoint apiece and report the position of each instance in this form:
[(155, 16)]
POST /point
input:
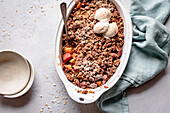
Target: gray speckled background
[(36, 40)]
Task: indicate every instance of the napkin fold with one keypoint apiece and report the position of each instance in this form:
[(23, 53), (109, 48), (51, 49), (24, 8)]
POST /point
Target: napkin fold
[(149, 53)]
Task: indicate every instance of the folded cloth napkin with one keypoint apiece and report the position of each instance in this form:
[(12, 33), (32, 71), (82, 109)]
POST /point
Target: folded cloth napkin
[(149, 54)]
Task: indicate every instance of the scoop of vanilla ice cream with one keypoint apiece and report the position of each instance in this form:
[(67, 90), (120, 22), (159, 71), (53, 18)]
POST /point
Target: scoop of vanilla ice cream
[(112, 30), (102, 13), (101, 27)]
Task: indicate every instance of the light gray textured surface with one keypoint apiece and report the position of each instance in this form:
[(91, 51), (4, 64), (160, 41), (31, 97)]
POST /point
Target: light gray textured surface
[(36, 40), (153, 96)]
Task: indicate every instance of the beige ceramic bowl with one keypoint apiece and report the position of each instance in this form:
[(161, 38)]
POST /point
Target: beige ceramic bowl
[(27, 87), (14, 72)]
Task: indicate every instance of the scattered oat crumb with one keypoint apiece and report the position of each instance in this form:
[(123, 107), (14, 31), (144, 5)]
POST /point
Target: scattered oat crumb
[(45, 104), (9, 34), (35, 20), (54, 84), (73, 107), (58, 91), (66, 98), (46, 76), (55, 96), (65, 102), (55, 99), (42, 10), (45, 14), (3, 30), (24, 24), (49, 107), (58, 102), (40, 96), (52, 101), (50, 110), (2, 0), (51, 6), (12, 25), (41, 7), (41, 110), (63, 98), (0, 40), (31, 6), (63, 111), (29, 11), (16, 10)]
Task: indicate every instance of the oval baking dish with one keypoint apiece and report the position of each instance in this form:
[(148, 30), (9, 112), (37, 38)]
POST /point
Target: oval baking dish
[(72, 89)]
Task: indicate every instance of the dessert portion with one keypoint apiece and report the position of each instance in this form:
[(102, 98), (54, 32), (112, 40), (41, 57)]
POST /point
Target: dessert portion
[(112, 30), (101, 27), (104, 15), (90, 59)]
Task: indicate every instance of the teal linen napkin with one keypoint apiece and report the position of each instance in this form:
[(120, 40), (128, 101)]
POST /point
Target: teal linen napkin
[(149, 54)]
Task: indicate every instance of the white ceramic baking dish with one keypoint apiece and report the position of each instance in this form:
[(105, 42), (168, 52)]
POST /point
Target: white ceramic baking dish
[(71, 88)]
